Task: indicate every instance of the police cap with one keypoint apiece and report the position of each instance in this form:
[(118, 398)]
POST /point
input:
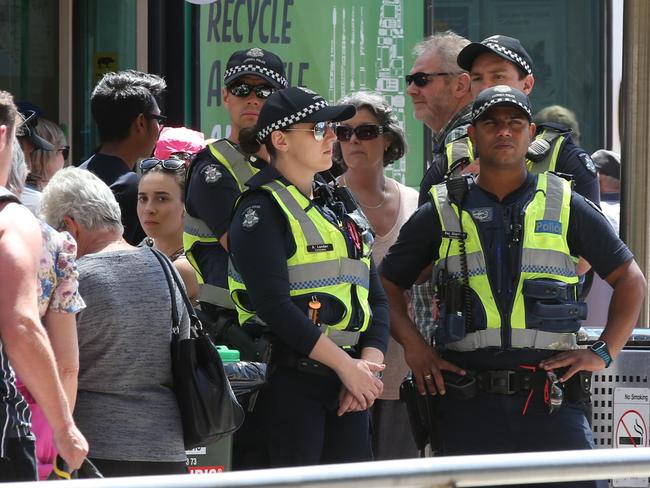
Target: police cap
[(508, 48), (500, 95), (258, 62)]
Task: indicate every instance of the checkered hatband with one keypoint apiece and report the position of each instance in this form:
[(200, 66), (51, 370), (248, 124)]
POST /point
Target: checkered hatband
[(256, 68), (512, 55), (477, 112)]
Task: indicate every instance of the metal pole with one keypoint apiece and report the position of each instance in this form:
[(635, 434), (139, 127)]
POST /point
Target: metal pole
[(635, 136), (486, 470)]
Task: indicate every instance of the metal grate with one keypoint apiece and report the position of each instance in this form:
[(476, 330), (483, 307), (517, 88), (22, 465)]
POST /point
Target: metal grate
[(630, 370)]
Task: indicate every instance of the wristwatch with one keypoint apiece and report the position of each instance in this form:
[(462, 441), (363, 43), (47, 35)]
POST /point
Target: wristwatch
[(600, 348)]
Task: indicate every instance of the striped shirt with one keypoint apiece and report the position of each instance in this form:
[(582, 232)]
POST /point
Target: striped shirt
[(15, 417)]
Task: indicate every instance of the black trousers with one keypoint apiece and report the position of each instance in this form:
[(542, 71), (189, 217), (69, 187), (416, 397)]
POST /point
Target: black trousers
[(20, 461), (300, 427)]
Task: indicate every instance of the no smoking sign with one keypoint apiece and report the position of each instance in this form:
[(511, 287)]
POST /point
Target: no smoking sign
[(630, 428)]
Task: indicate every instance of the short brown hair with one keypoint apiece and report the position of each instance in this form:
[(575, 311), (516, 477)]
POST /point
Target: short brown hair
[(8, 111)]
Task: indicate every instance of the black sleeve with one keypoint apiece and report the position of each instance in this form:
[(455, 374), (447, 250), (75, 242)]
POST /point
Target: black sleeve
[(209, 200), (575, 161), (376, 335), (591, 236), (259, 252), (416, 247), (125, 189), (434, 175)]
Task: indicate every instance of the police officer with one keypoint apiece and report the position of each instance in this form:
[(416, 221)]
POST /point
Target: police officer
[(502, 60), (218, 174), (505, 363), (302, 264)]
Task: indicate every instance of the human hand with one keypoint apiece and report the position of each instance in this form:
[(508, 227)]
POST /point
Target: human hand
[(347, 403), (71, 445), (427, 367), (576, 360), (359, 378)]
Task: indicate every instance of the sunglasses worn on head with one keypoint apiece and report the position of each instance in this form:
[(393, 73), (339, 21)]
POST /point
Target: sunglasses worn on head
[(171, 164), (243, 90), (422, 79), (364, 132), (319, 130), (65, 151)]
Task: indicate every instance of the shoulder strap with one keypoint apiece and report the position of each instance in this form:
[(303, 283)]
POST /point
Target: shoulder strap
[(172, 277)]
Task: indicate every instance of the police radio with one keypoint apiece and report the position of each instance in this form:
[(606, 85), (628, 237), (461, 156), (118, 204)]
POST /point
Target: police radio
[(456, 305)]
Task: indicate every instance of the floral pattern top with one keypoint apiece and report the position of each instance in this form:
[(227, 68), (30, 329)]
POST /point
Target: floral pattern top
[(58, 285)]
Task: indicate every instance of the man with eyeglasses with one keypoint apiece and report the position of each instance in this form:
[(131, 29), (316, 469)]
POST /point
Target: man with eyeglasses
[(440, 90), (24, 346), (125, 108), (216, 178)]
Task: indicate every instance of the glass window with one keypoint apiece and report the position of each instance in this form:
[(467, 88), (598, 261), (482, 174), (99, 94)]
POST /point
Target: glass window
[(29, 53), (104, 41), (565, 40)]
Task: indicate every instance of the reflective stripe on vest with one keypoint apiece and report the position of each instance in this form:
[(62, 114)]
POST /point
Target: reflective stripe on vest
[(329, 272), (196, 231), (545, 254), (531, 338)]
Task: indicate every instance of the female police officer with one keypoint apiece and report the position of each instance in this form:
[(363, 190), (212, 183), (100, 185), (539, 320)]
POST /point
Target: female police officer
[(302, 264)]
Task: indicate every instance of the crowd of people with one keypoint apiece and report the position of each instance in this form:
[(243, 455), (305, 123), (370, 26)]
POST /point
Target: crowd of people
[(289, 233)]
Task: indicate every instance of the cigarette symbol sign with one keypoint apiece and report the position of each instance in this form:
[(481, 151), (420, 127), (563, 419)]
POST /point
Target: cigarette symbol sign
[(631, 430)]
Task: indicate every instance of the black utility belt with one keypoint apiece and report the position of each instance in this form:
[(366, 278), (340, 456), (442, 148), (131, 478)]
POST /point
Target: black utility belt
[(303, 364), (517, 382)]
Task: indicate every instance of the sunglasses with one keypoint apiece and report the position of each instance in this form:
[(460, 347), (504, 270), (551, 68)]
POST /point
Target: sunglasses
[(159, 117), (171, 164), (422, 79), (319, 130), (364, 132), (243, 90)]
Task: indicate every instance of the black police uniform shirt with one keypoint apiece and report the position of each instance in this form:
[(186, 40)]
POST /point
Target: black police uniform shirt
[(572, 160), (124, 184), (211, 194), (589, 235), (260, 242)]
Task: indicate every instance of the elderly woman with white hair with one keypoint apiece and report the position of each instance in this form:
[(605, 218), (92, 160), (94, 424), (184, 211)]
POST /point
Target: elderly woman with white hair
[(367, 143), (125, 406)]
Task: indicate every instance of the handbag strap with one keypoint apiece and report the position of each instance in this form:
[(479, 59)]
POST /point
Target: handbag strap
[(172, 277)]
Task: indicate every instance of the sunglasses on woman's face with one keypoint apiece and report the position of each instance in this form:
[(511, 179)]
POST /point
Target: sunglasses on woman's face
[(171, 164), (364, 132), (319, 130), (243, 90)]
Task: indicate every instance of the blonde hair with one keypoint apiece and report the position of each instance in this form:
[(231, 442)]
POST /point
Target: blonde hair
[(38, 158)]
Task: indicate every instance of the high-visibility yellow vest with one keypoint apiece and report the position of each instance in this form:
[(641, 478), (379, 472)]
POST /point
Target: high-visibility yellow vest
[(196, 232), (544, 255), (329, 272)]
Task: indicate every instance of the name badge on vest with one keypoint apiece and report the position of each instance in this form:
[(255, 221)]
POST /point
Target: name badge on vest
[(320, 248), (448, 234), (548, 227)]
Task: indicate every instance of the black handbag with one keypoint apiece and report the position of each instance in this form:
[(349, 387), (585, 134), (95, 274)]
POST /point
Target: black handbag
[(208, 406)]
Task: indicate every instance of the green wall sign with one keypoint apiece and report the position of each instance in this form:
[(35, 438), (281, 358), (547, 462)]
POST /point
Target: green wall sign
[(334, 47)]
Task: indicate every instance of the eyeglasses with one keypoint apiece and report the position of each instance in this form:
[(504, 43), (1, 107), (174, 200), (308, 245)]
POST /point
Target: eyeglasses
[(422, 79), (65, 152), (364, 132), (243, 90), (171, 164), (319, 130), (159, 117)]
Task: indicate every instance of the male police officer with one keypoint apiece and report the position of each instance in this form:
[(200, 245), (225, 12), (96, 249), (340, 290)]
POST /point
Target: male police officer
[(218, 174), (506, 281), (503, 60)]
